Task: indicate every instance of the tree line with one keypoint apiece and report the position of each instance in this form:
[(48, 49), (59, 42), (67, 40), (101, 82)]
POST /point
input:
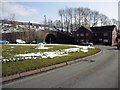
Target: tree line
[(72, 18)]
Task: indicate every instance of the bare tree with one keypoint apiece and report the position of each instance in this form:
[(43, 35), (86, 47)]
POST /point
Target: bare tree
[(75, 18), (61, 14), (11, 18), (103, 19), (114, 22), (70, 14), (57, 23), (109, 22), (118, 25), (66, 19), (80, 15), (95, 18), (86, 16), (50, 23)]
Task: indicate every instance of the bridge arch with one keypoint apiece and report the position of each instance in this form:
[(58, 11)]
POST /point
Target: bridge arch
[(50, 38)]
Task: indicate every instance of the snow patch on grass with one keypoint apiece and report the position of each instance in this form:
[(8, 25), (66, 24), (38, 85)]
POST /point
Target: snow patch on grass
[(49, 54)]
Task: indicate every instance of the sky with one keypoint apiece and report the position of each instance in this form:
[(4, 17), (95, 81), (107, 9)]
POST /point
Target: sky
[(34, 11)]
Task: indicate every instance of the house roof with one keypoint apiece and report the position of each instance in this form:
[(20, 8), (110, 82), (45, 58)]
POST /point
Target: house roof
[(87, 28), (103, 28)]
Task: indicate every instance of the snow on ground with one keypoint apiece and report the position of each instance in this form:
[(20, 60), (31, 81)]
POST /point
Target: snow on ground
[(51, 54)]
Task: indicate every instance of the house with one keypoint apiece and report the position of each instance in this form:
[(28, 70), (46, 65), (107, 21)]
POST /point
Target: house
[(104, 35), (97, 35), (19, 26), (83, 34), (118, 38)]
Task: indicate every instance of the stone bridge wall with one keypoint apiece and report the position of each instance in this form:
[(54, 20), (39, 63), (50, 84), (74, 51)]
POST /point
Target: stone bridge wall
[(46, 36)]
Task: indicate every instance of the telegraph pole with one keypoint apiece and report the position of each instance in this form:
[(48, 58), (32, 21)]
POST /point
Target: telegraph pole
[(29, 31), (45, 21)]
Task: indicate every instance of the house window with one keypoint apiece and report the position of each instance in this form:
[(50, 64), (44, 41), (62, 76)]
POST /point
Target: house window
[(105, 40), (87, 34), (82, 40), (77, 35), (105, 34), (87, 40), (77, 40), (100, 39), (95, 34), (118, 40), (82, 34)]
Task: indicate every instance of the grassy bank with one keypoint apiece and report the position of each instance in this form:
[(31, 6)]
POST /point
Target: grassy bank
[(9, 51), (22, 66)]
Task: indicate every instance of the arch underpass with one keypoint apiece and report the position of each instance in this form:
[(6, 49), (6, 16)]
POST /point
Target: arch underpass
[(50, 38), (40, 36)]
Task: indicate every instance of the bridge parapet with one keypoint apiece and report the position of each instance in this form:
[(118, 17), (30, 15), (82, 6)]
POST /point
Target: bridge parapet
[(47, 36)]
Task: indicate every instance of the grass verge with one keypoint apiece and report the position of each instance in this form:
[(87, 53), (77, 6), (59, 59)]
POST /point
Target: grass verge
[(8, 51), (23, 66)]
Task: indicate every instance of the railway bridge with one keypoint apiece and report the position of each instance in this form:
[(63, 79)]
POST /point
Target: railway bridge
[(47, 36)]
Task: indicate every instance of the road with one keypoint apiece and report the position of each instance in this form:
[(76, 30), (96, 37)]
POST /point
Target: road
[(102, 72)]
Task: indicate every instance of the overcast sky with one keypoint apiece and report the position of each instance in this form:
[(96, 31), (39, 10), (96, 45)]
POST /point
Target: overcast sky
[(34, 11)]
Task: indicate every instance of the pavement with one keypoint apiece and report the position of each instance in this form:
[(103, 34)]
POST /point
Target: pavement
[(99, 71)]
